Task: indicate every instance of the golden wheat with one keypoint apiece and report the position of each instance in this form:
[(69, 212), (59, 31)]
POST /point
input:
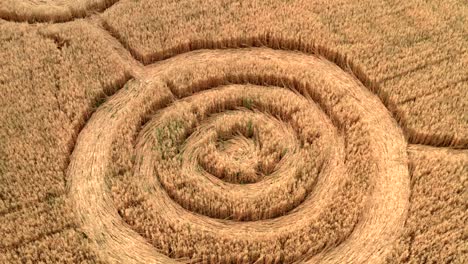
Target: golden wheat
[(309, 197), (50, 10), (42, 109), (414, 53), (221, 153)]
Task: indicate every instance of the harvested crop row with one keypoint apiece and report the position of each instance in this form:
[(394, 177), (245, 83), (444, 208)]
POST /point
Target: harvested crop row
[(174, 195)]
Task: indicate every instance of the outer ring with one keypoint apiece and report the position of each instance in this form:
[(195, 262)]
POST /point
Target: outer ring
[(379, 226)]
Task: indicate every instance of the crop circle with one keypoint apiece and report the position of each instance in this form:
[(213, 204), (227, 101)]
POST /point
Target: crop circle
[(243, 155)]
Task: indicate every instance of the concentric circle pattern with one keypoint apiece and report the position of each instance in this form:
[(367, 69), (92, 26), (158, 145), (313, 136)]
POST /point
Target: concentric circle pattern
[(241, 156), (285, 151)]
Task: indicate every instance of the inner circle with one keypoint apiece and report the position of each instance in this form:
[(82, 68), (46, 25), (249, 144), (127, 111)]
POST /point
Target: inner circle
[(235, 155), (242, 146), (239, 149), (288, 140)]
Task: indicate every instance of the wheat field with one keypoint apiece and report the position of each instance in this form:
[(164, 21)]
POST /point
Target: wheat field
[(278, 131)]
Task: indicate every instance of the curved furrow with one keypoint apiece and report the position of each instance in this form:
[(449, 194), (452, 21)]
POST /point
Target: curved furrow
[(247, 155)]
